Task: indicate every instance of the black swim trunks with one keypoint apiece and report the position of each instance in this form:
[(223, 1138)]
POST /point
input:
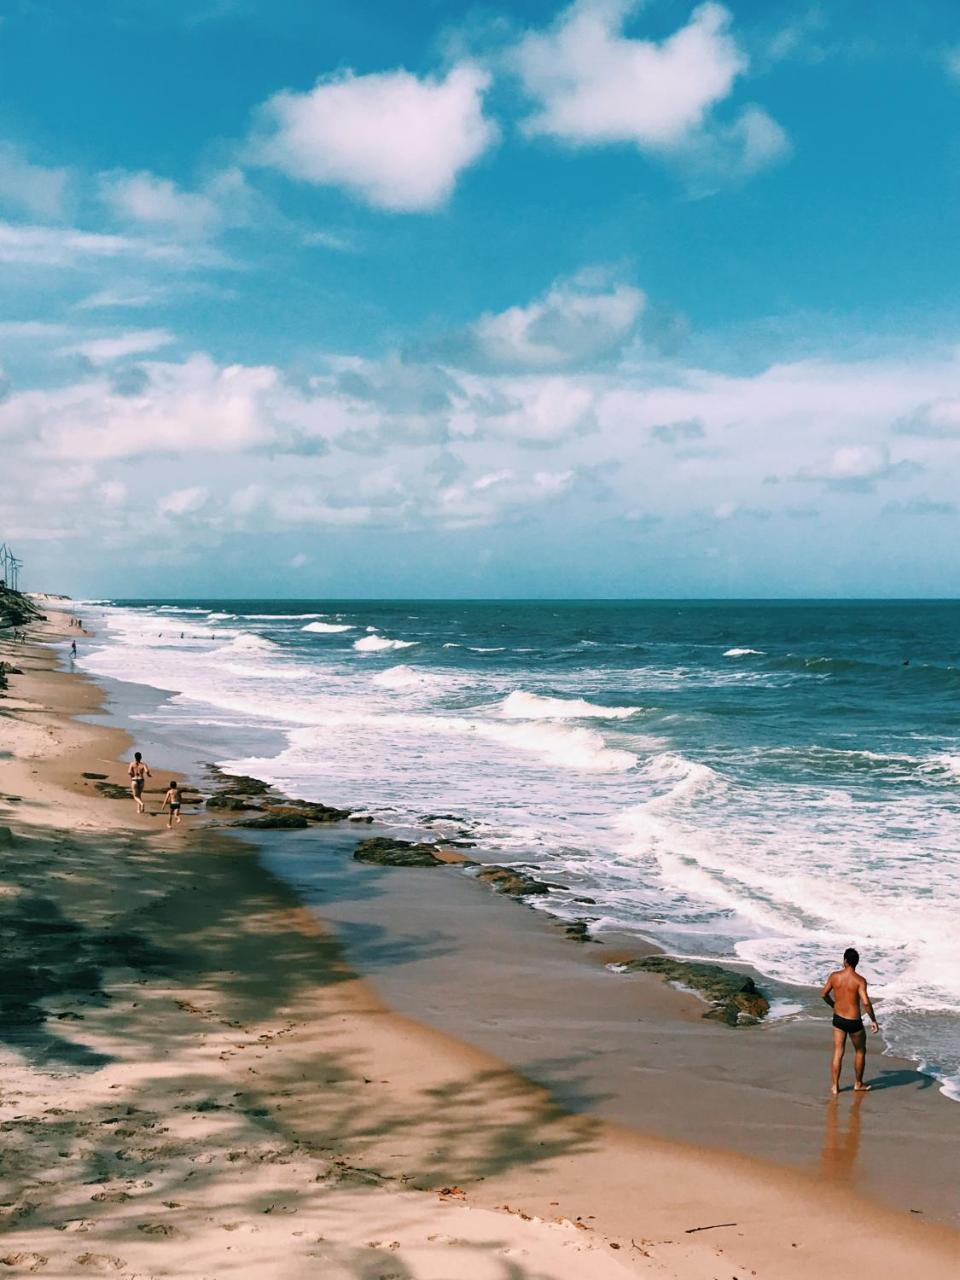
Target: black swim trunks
[(850, 1025)]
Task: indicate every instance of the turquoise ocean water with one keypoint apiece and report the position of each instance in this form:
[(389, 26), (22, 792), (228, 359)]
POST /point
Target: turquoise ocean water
[(764, 781)]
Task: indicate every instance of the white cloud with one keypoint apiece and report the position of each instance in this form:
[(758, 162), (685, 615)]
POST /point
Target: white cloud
[(575, 321), (34, 189), (42, 246), (859, 467), (183, 502), (536, 411), (190, 408), (149, 200), (594, 86), (117, 346), (394, 141), (500, 495)]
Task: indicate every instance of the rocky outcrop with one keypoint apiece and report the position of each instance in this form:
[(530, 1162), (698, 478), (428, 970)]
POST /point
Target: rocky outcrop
[(16, 610), (387, 852), (273, 822), (733, 997), (309, 810), (509, 880), (236, 784)]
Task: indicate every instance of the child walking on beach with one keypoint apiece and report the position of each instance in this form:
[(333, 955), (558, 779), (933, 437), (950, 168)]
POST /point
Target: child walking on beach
[(172, 798)]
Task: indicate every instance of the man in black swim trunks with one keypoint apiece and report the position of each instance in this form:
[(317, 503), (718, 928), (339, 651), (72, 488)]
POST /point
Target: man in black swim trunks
[(845, 991)]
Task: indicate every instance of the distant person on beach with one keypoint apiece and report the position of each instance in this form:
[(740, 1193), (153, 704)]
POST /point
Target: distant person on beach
[(845, 991), (139, 773), (73, 648), (172, 798)]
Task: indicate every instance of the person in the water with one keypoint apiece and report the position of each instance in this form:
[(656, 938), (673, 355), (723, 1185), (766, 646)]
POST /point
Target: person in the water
[(845, 991)]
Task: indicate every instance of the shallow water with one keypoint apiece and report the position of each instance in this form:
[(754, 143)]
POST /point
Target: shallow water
[(771, 782)]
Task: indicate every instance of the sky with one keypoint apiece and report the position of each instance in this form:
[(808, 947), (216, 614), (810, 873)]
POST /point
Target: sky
[(442, 299)]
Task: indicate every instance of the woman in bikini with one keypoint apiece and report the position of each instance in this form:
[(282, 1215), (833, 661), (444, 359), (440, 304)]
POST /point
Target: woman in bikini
[(139, 773)]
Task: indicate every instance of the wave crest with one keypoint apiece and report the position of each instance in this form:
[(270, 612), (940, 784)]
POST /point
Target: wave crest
[(378, 644), (521, 705)]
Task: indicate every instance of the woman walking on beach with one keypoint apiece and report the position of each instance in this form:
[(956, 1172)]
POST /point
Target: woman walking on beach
[(139, 773)]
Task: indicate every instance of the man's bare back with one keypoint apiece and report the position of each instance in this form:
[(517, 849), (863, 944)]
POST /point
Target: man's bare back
[(845, 991)]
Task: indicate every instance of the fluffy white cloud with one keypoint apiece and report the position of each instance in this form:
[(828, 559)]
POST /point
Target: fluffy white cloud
[(859, 467), (393, 140), (500, 495), (145, 199), (575, 321), (592, 86), (34, 189), (183, 502), (158, 202), (190, 408)]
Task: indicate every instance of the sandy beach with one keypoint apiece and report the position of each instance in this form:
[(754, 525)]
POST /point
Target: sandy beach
[(199, 1082)]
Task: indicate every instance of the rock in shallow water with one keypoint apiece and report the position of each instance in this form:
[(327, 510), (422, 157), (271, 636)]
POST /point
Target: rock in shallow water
[(273, 822), (386, 852), (734, 996), (509, 880)]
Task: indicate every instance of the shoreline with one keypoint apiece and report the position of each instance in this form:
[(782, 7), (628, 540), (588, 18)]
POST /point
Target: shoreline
[(456, 1112)]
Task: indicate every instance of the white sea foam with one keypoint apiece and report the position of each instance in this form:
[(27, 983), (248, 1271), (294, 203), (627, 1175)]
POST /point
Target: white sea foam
[(521, 705), (282, 617), (246, 642), (378, 644), (327, 627), (220, 617), (401, 677), (743, 653), (574, 748)]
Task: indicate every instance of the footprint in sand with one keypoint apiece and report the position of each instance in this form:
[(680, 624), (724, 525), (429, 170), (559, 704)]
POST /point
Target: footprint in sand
[(32, 1261), (102, 1262)]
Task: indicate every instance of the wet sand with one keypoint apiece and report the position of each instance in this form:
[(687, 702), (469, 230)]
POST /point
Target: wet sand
[(196, 1081)]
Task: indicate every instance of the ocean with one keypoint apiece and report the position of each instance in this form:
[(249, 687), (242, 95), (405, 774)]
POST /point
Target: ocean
[(768, 782)]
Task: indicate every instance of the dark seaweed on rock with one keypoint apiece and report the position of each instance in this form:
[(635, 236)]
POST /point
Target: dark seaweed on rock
[(734, 996)]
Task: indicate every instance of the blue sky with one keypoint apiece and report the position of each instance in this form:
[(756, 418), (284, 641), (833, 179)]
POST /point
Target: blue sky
[(610, 298)]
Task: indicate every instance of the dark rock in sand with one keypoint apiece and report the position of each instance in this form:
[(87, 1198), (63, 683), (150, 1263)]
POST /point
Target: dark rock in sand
[(509, 880), (273, 822), (113, 791), (397, 853), (579, 930), (97, 777), (734, 996)]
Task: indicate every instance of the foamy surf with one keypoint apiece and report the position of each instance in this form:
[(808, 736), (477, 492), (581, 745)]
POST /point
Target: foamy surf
[(327, 628), (380, 644), (521, 705)]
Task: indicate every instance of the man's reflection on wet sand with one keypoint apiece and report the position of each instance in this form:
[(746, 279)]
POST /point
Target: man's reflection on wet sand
[(841, 1144)]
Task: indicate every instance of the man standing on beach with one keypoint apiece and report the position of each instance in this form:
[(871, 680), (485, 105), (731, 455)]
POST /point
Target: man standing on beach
[(139, 773), (845, 991)]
